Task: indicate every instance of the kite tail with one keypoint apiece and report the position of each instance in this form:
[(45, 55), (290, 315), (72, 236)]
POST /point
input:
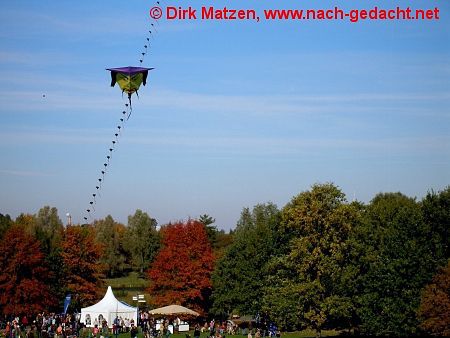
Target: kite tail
[(131, 108)]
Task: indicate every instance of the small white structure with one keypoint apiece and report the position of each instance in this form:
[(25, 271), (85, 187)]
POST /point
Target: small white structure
[(108, 308)]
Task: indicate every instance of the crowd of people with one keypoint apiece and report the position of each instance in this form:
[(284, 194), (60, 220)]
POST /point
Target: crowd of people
[(44, 325), (52, 325)]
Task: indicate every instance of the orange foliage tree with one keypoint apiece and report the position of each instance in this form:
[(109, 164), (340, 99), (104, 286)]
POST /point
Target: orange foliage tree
[(181, 272), (23, 274), (434, 310), (83, 272)]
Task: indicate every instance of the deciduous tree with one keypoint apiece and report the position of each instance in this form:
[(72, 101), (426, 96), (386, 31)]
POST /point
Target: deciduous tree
[(395, 264), (5, 223), (436, 213), (305, 288), (240, 273), (48, 229), (181, 272), (111, 235), (434, 310), (142, 239), (83, 272), (24, 277)]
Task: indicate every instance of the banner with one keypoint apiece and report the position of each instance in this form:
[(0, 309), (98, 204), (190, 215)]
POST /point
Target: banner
[(67, 302)]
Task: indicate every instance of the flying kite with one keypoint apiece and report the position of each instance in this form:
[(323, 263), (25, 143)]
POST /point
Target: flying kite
[(129, 79)]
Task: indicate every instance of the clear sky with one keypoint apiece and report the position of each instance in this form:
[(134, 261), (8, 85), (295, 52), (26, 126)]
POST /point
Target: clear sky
[(234, 114)]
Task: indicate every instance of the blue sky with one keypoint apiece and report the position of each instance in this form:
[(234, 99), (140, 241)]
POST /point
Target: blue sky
[(234, 114)]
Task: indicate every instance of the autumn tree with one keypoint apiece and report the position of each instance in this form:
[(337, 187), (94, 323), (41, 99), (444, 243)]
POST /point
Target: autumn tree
[(434, 310), (142, 239), (181, 272), (81, 254), (111, 235), (24, 277), (28, 223)]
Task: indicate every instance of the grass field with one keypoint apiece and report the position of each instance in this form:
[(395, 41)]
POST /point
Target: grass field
[(125, 288), (297, 334)]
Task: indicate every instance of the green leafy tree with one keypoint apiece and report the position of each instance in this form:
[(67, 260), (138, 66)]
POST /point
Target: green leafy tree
[(218, 239), (223, 241), (394, 265), (110, 234), (305, 288), (5, 223), (436, 213), (142, 239), (239, 275), (49, 228), (49, 231)]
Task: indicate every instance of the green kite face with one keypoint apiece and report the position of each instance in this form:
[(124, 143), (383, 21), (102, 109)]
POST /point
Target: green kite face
[(129, 83)]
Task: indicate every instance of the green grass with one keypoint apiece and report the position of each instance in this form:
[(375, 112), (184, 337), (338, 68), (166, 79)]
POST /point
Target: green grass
[(297, 334), (125, 288)]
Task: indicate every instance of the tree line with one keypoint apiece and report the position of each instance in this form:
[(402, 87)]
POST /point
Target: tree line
[(320, 262)]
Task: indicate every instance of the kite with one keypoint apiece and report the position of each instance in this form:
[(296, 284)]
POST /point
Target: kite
[(129, 79)]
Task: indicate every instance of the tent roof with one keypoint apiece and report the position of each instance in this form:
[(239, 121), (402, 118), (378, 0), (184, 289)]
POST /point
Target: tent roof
[(173, 310), (110, 303)]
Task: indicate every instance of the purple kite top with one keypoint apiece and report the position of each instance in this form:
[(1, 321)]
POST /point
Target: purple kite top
[(129, 70)]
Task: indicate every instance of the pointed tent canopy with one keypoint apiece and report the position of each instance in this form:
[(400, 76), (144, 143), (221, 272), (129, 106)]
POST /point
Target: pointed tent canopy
[(108, 308), (173, 310)]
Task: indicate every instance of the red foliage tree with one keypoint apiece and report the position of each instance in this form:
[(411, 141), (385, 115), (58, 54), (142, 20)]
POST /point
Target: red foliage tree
[(81, 254), (23, 274), (181, 272), (434, 309)]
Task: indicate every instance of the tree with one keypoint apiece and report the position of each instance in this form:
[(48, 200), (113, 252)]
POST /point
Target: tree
[(81, 254), (211, 229), (240, 273), (5, 223), (395, 264), (305, 285), (434, 309), (24, 282), (181, 272), (142, 239), (48, 229), (223, 241), (111, 235), (436, 213), (218, 239)]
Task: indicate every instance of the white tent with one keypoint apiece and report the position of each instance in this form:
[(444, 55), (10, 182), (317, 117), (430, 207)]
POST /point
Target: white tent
[(108, 308)]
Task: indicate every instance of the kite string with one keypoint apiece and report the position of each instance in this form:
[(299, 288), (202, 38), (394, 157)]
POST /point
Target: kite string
[(152, 30), (106, 165), (127, 112)]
